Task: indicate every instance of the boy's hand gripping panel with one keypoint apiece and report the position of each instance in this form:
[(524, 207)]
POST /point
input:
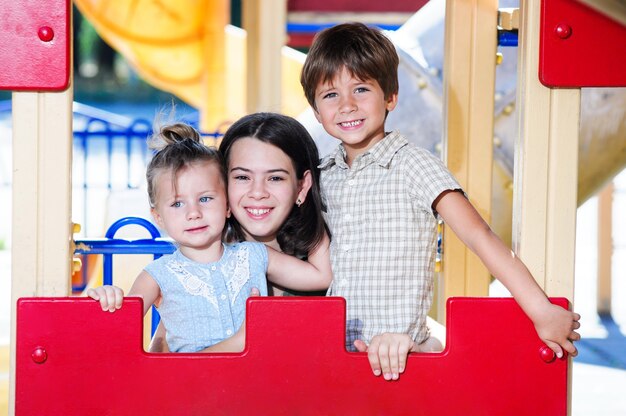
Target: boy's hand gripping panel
[(73, 358)]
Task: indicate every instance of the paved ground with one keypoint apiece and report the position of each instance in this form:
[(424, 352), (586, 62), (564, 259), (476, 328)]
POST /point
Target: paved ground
[(599, 372)]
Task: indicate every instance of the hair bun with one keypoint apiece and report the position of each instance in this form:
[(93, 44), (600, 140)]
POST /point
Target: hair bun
[(173, 134)]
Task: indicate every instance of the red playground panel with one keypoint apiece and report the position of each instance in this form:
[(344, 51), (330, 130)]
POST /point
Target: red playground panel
[(72, 359), (35, 45), (580, 47)]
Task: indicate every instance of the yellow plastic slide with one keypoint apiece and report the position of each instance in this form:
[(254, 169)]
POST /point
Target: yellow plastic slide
[(186, 47)]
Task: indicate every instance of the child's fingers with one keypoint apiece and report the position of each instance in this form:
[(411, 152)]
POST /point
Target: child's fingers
[(556, 348), (378, 355), (372, 356), (570, 348), (255, 292), (360, 345), (112, 299), (93, 294), (403, 353), (394, 360), (574, 336)]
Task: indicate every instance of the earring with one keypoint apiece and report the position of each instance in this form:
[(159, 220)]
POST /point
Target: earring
[(298, 202)]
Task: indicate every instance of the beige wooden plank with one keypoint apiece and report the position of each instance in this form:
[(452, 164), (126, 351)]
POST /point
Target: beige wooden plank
[(605, 248), (42, 200), (264, 22), (469, 82)]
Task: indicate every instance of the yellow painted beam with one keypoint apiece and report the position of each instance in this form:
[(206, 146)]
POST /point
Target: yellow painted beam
[(605, 248), (546, 170), (214, 92), (264, 22), (42, 201), (469, 85)]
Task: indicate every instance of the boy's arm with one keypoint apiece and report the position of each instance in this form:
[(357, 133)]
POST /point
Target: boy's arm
[(555, 325), (293, 273)]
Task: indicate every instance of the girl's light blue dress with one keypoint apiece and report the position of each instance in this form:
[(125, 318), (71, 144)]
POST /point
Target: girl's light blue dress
[(203, 304)]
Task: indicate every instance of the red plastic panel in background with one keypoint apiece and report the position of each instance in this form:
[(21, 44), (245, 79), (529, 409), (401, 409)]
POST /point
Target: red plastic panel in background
[(34, 45), (72, 358), (580, 47)]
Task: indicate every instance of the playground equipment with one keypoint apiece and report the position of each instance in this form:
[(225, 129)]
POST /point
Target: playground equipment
[(419, 116), (187, 48), (309, 372), (545, 186), (170, 43)]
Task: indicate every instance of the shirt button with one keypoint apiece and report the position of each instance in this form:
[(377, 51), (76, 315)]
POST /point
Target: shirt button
[(348, 217), (213, 267), (351, 182), (229, 332), (223, 297), (346, 247)]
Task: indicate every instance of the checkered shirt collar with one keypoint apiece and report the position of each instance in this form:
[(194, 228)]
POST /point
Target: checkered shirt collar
[(382, 153)]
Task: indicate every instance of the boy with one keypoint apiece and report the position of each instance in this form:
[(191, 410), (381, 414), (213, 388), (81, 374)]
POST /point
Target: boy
[(384, 197)]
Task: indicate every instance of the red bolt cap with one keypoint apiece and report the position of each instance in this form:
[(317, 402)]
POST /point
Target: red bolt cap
[(563, 30), (39, 355), (45, 33), (547, 354)]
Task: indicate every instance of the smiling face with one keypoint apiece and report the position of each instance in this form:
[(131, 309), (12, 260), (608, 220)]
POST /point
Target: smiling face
[(353, 111), (192, 208), (262, 188)]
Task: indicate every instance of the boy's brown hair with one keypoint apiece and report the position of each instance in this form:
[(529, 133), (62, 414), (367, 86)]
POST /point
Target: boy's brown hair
[(365, 52)]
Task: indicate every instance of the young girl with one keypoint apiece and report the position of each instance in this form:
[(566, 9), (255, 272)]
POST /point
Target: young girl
[(274, 196), (273, 188), (201, 289)]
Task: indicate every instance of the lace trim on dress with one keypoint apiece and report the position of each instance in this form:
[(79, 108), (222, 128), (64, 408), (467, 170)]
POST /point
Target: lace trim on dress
[(240, 274), (191, 283)]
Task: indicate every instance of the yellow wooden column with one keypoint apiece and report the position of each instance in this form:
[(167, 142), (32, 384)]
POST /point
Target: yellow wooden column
[(546, 163), (264, 22), (469, 85), (42, 201), (605, 248), (215, 95), (546, 169)]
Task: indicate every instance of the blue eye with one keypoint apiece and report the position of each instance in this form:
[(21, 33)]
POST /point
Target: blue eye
[(205, 198), (177, 204), (330, 95)]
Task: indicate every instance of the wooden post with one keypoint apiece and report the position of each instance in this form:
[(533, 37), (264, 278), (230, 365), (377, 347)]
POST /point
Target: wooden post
[(546, 169), (264, 22), (469, 87), (215, 95), (42, 201), (605, 249)]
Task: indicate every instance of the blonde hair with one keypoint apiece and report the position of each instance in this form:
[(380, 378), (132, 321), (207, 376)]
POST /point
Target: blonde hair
[(177, 146)]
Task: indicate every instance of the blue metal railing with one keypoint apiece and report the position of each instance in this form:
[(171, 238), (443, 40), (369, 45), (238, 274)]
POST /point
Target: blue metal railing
[(507, 38), (312, 28), (110, 154), (110, 245)]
